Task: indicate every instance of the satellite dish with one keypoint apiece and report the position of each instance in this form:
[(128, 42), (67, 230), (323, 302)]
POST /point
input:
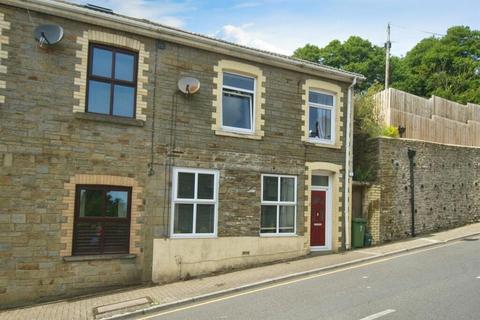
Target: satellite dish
[(188, 85), (49, 34)]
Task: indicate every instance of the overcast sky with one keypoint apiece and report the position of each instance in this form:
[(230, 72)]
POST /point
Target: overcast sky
[(284, 25)]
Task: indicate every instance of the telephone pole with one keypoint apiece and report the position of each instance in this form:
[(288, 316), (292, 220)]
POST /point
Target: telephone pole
[(388, 45)]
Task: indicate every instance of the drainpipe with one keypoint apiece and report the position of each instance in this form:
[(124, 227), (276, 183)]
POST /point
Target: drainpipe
[(411, 157), (346, 186)]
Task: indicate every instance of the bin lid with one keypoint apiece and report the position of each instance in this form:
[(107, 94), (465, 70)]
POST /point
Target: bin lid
[(360, 220)]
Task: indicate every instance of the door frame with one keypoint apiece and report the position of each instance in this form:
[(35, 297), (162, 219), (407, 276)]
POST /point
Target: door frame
[(328, 210)]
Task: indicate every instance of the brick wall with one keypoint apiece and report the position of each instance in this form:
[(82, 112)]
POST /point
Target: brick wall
[(44, 144)]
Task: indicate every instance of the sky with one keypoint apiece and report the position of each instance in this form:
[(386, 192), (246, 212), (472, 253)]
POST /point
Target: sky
[(283, 25)]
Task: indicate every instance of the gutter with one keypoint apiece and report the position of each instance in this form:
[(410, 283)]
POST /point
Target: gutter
[(346, 187), (156, 31)]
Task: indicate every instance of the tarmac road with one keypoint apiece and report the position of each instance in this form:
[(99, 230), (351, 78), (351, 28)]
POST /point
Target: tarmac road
[(441, 282)]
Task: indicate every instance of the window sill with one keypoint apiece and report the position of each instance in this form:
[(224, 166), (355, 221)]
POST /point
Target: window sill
[(99, 257), (253, 136), (278, 235), (322, 144), (189, 236), (109, 119)]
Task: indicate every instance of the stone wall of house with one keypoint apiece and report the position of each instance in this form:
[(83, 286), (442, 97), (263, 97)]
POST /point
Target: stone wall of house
[(447, 188), (44, 144)]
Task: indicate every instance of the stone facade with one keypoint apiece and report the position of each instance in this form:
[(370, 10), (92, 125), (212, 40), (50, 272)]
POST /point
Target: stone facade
[(112, 39), (46, 148), (446, 187)]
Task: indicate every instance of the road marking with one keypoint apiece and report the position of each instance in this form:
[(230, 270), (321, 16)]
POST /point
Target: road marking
[(478, 277), (378, 315), (296, 280), (365, 277)]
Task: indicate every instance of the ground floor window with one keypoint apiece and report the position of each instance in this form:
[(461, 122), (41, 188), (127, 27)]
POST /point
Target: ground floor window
[(279, 204), (195, 200), (102, 220)]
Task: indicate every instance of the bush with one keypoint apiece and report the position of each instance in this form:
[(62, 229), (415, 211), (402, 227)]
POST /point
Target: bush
[(367, 116)]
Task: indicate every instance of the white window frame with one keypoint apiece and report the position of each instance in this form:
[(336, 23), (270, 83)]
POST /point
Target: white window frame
[(279, 203), (242, 93), (194, 201), (332, 117)]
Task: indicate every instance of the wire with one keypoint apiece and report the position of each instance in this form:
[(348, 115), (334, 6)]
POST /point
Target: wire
[(151, 171), (170, 160), (417, 30)]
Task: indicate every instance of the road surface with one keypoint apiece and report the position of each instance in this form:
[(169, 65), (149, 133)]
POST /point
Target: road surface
[(441, 282)]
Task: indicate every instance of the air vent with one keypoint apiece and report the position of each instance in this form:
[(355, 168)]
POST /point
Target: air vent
[(98, 8)]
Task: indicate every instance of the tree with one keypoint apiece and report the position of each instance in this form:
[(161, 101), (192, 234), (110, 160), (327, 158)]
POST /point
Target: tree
[(355, 54), (447, 67)]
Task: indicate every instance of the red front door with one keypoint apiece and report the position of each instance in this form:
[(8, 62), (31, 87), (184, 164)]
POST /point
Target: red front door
[(317, 234)]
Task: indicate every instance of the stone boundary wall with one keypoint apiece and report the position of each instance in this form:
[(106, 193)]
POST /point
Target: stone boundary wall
[(447, 188), (435, 119)]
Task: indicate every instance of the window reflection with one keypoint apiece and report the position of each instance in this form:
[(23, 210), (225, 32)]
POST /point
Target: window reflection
[(109, 93)]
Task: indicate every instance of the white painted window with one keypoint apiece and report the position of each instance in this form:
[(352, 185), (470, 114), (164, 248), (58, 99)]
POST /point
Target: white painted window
[(321, 117), (238, 103), (279, 205), (195, 203)]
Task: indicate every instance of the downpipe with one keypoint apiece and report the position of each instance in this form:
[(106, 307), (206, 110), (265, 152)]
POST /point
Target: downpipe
[(346, 243), (411, 159)]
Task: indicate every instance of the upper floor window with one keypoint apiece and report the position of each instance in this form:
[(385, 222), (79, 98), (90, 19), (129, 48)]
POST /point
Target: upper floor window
[(112, 81), (102, 220), (238, 102), (195, 197), (321, 115), (279, 205)]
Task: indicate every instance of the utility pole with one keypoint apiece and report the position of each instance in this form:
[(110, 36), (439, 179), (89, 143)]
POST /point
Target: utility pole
[(388, 45)]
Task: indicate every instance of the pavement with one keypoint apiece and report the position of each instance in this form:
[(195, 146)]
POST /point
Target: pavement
[(147, 300), (438, 283)]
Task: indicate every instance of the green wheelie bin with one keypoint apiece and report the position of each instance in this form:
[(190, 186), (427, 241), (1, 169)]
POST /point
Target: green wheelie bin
[(358, 232)]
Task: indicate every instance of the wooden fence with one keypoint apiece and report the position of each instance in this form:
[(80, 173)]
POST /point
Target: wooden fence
[(435, 119)]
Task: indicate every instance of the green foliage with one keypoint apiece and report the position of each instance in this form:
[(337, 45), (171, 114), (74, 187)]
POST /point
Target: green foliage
[(389, 131), (367, 116), (363, 174), (309, 52), (355, 54), (448, 67)]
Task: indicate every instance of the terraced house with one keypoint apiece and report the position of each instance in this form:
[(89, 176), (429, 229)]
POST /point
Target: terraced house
[(110, 175)]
